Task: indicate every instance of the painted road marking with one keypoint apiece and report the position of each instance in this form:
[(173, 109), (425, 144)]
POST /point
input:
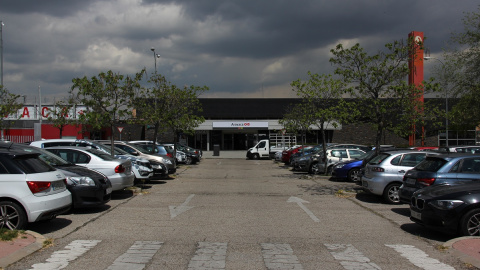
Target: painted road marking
[(61, 258), (279, 257), (350, 258), (300, 203), (420, 258), (177, 210), (137, 256), (209, 256)]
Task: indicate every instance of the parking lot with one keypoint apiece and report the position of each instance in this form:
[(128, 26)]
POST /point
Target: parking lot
[(245, 211)]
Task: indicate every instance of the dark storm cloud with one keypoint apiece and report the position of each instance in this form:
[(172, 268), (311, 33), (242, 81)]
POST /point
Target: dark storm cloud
[(234, 47), (57, 8)]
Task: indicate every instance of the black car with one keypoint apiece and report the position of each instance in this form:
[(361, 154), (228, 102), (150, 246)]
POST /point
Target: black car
[(453, 209), (89, 188)]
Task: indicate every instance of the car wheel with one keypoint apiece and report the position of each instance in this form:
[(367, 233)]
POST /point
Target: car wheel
[(12, 216), (470, 223), (188, 160), (314, 168), (255, 156), (354, 175), (390, 194)]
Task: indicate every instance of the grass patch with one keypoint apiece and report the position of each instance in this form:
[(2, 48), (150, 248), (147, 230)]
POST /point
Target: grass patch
[(8, 235), (441, 248), (48, 243)]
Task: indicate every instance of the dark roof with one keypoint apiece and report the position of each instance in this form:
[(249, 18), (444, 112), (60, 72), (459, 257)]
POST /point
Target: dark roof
[(246, 108), (259, 108)]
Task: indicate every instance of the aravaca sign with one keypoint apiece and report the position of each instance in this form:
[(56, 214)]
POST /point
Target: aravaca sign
[(240, 124), (35, 113)]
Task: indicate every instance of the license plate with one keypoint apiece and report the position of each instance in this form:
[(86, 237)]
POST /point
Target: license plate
[(108, 190), (410, 181), (416, 215), (57, 185)]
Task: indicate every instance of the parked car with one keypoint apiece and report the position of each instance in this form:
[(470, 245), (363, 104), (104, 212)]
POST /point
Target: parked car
[(180, 157), (286, 154), (440, 169), (316, 163), (89, 188), (383, 175), (453, 209), (141, 167), (119, 171), (460, 149), (351, 146), (30, 190), (139, 151), (351, 169)]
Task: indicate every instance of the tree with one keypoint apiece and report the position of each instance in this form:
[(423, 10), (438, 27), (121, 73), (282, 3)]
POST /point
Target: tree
[(378, 83), (299, 118), (8, 107), (464, 56), (59, 115), (170, 108), (324, 95), (108, 99)]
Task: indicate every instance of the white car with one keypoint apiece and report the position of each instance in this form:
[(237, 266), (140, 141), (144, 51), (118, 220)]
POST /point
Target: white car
[(118, 171), (141, 167), (30, 190)]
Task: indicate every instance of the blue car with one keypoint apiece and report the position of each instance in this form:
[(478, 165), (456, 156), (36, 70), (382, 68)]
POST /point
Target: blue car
[(351, 170)]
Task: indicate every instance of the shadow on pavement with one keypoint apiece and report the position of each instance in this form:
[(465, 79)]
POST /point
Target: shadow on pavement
[(418, 230)]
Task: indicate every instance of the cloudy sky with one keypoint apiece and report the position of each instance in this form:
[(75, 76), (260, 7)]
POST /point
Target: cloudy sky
[(243, 48)]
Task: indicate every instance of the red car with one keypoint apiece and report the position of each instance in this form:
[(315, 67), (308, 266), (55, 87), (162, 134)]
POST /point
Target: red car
[(286, 154)]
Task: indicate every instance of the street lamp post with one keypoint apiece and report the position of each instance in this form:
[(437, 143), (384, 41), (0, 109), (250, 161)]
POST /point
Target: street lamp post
[(1, 51), (446, 99), (155, 56)]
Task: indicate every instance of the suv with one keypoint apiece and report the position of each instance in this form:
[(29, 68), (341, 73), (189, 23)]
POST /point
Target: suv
[(441, 169), (30, 190)]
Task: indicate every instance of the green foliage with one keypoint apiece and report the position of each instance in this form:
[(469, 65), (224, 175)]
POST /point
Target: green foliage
[(59, 116), (108, 98), (462, 67), (8, 106), (378, 84), (169, 107)]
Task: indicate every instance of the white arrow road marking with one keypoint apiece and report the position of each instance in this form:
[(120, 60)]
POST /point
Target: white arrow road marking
[(300, 203), (177, 210)]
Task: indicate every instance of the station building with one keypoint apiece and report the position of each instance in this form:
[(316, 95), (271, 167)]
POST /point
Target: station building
[(230, 123)]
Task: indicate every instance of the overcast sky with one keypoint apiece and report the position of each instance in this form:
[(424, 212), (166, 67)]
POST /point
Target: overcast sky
[(244, 48)]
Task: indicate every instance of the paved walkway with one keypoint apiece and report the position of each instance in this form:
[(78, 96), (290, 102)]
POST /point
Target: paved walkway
[(226, 154)]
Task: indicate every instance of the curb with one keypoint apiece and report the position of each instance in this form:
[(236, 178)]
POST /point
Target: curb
[(23, 251), (460, 253)]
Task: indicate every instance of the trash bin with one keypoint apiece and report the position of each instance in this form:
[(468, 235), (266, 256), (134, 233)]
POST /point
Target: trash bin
[(216, 150)]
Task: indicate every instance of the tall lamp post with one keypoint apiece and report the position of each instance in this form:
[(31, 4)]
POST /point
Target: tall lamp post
[(446, 99), (1, 65), (155, 56)]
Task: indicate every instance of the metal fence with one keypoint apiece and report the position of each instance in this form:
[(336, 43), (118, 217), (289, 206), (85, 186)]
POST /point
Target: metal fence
[(18, 138)]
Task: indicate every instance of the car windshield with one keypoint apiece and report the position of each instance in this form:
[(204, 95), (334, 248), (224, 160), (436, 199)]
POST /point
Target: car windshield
[(365, 155), (106, 148), (49, 157), (431, 164), (378, 159), (101, 154)]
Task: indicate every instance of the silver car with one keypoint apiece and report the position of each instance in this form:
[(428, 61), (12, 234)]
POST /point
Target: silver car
[(118, 171), (139, 151), (383, 175)]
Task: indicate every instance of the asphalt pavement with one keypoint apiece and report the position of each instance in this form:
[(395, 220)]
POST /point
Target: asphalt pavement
[(467, 249)]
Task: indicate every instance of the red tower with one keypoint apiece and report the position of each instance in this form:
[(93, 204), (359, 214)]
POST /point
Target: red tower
[(415, 77)]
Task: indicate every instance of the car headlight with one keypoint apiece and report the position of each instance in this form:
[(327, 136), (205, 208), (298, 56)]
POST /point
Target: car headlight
[(446, 204), (167, 161), (304, 158), (82, 180), (338, 166)]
